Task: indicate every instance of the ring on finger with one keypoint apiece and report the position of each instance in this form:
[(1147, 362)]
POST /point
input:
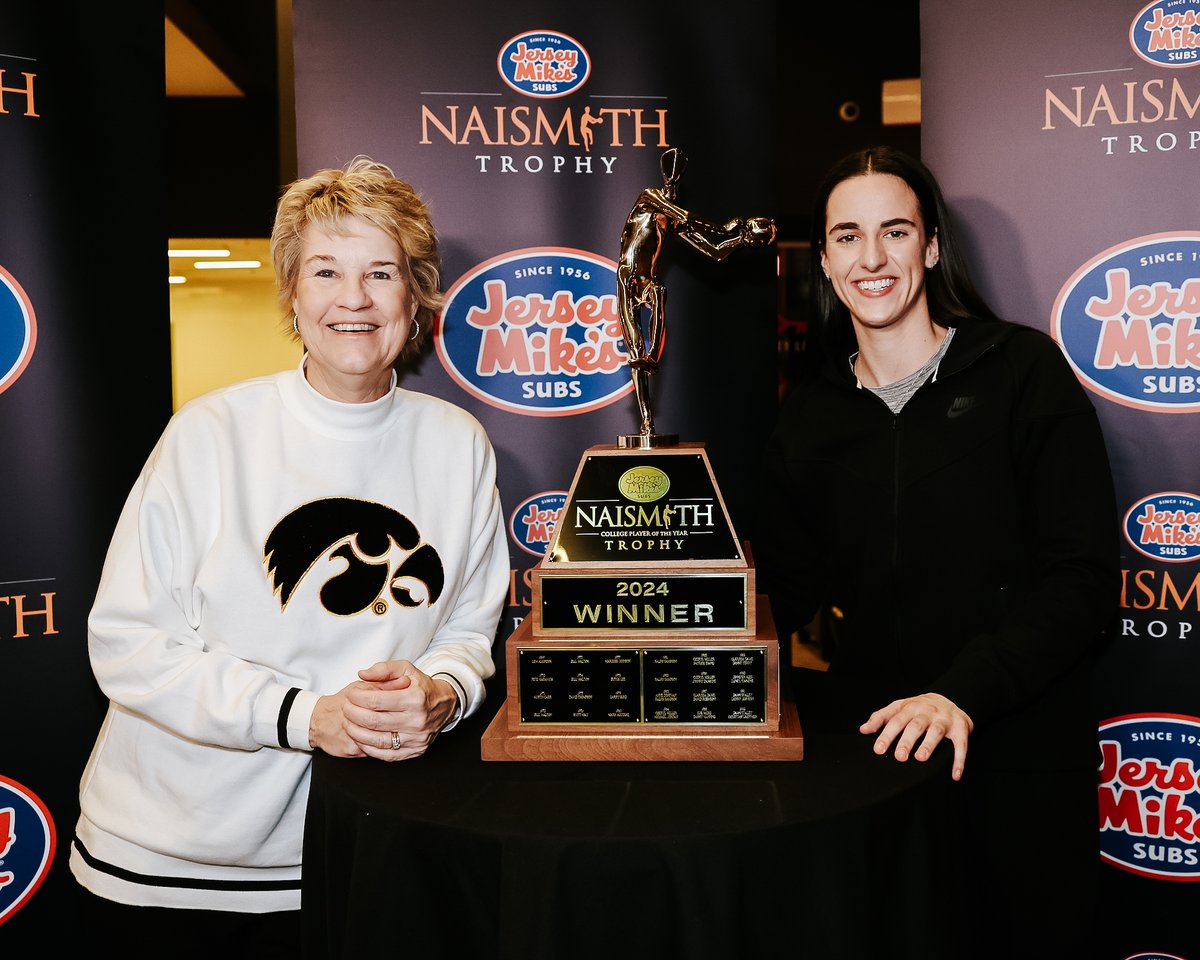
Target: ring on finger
[(396, 740)]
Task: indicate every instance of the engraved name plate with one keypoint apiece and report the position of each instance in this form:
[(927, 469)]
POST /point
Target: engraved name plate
[(581, 604), (621, 685)]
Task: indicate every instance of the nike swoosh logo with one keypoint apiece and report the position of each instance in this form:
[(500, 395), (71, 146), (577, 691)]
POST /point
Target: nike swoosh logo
[(960, 406)]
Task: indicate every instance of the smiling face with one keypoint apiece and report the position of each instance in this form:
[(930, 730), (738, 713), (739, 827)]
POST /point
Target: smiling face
[(876, 251), (354, 308)]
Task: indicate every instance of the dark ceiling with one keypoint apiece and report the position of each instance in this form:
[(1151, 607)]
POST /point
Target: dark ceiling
[(223, 153), (226, 164), (838, 55)]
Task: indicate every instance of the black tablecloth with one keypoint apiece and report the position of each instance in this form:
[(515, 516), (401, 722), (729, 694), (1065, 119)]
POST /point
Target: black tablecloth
[(841, 855)]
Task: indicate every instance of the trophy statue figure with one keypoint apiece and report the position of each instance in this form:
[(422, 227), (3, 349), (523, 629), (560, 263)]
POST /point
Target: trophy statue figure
[(656, 215)]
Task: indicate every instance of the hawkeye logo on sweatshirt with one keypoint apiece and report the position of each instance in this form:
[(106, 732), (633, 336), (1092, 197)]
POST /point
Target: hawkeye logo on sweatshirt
[(382, 549)]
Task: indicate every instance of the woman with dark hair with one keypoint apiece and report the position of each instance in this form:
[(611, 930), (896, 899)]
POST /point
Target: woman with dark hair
[(942, 487), (950, 293)]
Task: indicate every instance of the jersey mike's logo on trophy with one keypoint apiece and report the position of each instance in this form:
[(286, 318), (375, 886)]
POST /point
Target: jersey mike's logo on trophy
[(641, 294)]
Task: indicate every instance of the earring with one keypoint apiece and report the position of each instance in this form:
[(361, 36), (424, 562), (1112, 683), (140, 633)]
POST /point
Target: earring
[(416, 329), (296, 324)]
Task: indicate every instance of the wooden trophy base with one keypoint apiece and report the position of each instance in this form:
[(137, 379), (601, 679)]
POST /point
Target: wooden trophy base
[(776, 737)]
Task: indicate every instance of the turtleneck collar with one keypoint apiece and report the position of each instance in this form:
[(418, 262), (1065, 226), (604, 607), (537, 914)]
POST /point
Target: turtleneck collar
[(333, 418)]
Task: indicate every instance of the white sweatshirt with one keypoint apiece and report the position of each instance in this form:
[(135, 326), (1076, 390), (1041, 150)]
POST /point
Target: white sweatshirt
[(221, 594)]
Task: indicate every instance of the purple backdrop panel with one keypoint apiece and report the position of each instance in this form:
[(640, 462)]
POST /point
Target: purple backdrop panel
[(1066, 136)]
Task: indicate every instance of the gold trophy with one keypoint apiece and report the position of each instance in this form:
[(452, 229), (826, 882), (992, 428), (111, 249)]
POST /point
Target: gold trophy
[(641, 295), (647, 639)]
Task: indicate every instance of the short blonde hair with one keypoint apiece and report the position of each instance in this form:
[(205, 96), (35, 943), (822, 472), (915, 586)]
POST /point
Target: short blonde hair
[(372, 192)]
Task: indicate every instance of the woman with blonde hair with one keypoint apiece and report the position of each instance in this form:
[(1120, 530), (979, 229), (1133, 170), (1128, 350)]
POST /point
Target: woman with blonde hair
[(312, 560)]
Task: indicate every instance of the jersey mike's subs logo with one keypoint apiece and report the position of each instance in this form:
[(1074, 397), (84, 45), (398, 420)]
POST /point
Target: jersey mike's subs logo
[(532, 523), (1149, 793), (544, 63), (1167, 33), (1165, 526), (1155, 955), (27, 844), (536, 332), (1127, 323), (18, 330)]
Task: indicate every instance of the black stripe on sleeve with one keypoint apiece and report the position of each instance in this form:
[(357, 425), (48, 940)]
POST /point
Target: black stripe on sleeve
[(284, 709)]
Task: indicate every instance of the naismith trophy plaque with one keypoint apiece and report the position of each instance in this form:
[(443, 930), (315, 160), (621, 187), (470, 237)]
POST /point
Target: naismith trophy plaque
[(647, 639)]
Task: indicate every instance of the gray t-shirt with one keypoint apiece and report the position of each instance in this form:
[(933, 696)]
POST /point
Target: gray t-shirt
[(897, 394)]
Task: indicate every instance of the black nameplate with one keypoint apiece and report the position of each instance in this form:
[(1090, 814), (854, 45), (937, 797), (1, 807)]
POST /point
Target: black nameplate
[(643, 510), (609, 685), (581, 603)]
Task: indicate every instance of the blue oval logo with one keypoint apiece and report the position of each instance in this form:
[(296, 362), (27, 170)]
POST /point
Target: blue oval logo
[(1165, 526), (1167, 33), (544, 63), (1154, 956), (27, 843), (532, 524), (536, 332), (1149, 793), (18, 330), (1127, 323)]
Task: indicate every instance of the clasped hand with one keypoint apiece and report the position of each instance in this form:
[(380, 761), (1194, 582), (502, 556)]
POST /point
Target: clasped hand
[(392, 712), (927, 719)]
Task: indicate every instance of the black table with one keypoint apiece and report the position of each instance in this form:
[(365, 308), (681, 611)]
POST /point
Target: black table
[(841, 855)]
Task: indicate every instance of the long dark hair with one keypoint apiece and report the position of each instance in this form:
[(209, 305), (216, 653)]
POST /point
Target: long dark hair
[(949, 290)]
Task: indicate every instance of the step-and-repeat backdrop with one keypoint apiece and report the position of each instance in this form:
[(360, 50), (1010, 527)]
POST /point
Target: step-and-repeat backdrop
[(1067, 138)]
